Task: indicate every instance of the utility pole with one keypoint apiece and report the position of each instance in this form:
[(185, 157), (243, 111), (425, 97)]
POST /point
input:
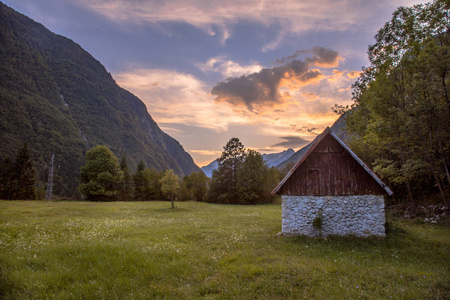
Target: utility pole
[(48, 196)]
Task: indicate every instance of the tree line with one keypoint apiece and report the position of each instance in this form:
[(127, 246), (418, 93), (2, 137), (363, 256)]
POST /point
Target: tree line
[(105, 178), (242, 178), (401, 111), (18, 176)]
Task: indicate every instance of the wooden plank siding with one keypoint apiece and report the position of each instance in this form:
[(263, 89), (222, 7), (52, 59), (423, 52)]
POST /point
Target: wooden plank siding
[(330, 170)]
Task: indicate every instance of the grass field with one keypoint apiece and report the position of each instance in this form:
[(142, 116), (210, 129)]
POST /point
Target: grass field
[(145, 250)]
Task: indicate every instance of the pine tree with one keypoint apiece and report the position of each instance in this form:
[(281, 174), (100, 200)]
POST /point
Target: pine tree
[(6, 178), (224, 179), (24, 175), (141, 183), (126, 185)]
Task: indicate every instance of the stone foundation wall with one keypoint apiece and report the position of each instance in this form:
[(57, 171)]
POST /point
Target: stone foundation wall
[(361, 215)]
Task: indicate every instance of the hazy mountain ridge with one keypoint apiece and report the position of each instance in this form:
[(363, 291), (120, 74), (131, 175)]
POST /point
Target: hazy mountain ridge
[(271, 160), (59, 99)]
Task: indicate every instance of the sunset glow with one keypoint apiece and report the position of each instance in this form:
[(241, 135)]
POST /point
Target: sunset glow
[(267, 72)]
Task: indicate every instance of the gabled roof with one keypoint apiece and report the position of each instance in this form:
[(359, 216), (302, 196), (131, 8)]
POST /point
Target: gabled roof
[(313, 146)]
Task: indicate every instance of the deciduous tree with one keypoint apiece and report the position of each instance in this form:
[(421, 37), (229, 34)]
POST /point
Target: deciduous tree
[(170, 185), (251, 179), (402, 105), (101, 175)]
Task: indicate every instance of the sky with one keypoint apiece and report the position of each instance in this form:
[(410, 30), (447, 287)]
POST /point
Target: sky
[(266, 72)]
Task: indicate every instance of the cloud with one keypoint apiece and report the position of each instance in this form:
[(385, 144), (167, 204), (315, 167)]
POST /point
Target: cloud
[(291, 142), (322, 57), (227, 67), (183, 107), (173, 97), (269, 87), (208, 152), (291, 17)]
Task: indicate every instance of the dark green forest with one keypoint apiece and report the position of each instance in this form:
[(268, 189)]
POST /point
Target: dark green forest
[(60, 100)]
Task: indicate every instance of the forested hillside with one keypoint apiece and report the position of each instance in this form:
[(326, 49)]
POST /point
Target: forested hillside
[(61, 100)]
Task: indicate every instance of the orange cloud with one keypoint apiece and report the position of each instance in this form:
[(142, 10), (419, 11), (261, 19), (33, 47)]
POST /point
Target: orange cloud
[(183, 107)]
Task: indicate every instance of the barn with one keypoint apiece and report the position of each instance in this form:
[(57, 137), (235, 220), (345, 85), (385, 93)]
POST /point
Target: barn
[(331, 191)]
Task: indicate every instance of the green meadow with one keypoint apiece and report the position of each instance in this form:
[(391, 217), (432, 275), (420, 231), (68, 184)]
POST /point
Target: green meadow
[(146, 250)]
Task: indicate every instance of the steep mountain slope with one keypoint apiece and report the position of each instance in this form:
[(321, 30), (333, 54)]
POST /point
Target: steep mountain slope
[(59, 99), (271, 160)]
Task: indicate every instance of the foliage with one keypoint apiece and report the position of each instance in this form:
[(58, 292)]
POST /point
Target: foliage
[(318, 222), (223, 187), (155, 185), (251, 180), (141, 181), (402, 107), (194, 187), (117, 250), (18, 178), (242, 177), (101, 175), (126, 190), (6, 178), (170, 185)]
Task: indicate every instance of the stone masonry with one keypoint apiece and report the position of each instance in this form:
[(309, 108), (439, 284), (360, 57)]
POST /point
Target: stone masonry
[(360, 215)]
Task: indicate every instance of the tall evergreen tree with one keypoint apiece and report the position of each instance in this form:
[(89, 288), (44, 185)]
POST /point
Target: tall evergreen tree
[(141, 183), (223, 187), (24, 175), (126, 185), (6, 178)]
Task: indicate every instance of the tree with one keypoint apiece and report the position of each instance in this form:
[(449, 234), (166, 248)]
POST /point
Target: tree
[(223, 187), (402, 107), (155, 185), (24, 175), (126, 185), (141, 181), (251, 179), (170, 184), (101, 175), (6, 178), (194, 187)]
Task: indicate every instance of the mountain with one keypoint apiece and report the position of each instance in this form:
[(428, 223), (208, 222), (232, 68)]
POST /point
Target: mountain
[(270, 159), (338, 127), (61, 100), (210, 168), (275, 159)]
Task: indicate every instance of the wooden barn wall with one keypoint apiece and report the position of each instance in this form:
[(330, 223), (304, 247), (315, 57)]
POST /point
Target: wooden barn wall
[(330, 170)]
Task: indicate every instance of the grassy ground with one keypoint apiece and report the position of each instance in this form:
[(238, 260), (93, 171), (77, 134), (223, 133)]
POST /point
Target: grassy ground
[(83, 250)]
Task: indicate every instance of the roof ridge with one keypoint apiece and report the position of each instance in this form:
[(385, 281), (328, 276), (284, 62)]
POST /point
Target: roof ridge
[(311, 148)]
